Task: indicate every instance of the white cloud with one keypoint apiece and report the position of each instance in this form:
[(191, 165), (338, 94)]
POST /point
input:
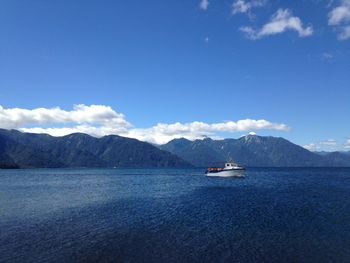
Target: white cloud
[(280, 22), (347, 144), (204, 4), (312, 147), (100, 120), (329, 142), (327, 55), (340, 14), (345, 33), (329, 145), (241, 6), (162, 133), (81, 114), (248, 134)]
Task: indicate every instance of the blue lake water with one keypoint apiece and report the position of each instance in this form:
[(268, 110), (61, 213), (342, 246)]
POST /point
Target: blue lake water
[(88, 215)]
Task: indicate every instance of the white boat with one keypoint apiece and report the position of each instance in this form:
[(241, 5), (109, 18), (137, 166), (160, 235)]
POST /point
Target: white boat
[(231, 169)]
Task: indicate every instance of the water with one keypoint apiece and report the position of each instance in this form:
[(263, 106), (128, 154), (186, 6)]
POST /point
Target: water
[(85, 215)]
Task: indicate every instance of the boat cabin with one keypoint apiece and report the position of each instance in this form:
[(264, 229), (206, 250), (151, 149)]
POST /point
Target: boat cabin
[(230, 164)]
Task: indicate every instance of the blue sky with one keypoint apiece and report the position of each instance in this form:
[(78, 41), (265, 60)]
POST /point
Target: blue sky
[(195, 67)]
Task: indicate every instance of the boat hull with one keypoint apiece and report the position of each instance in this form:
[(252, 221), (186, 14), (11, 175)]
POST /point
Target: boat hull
[(227, 173)]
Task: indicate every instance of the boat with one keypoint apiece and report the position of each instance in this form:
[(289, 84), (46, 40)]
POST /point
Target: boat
[(230, 169)]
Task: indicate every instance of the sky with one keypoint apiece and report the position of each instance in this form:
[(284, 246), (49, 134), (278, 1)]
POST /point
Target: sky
[(158, 70)]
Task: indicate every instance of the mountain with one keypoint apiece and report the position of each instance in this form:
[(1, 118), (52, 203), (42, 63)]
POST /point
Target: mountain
[(250, 150), (27, 150), (338, 158), (199, 152)]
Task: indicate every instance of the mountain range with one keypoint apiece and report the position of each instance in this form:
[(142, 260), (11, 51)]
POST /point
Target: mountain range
[(253, 150), (28, 150)]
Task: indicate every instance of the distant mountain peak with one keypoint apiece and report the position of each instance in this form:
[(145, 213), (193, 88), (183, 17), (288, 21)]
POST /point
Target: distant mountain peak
[(180, 140), (251, 138), (254, 150), (77, 134)]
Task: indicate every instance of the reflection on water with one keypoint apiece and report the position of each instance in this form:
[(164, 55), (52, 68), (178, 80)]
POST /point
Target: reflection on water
[(273, 215)]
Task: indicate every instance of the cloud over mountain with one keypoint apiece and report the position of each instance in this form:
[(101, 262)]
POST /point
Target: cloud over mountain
[(162, 133), (100, 120), (347, 144), (329, 145)]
